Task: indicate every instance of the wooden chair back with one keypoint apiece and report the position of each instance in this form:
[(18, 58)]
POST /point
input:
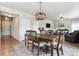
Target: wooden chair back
[(30, 32), (60, 38), (42, 32), (49, 32)]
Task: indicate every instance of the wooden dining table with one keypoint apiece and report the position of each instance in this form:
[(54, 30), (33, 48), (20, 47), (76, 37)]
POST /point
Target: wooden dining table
[(47, 37)]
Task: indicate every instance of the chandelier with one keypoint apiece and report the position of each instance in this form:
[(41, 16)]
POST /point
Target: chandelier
[(40, 15)]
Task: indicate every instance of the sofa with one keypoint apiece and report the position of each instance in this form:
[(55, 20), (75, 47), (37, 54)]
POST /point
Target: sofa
[(72, 37)]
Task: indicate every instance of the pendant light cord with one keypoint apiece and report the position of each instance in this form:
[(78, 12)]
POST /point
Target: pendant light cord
[(40, 6)]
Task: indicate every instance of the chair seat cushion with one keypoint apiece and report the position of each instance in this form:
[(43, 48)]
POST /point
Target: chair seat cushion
[(40, 44), (30, 41), (54, 44)]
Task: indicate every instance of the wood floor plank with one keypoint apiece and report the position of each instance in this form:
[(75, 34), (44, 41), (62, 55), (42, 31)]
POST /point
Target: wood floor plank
[(6, 44)]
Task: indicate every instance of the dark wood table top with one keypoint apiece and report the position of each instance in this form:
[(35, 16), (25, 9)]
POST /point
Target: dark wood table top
[(46, 36)]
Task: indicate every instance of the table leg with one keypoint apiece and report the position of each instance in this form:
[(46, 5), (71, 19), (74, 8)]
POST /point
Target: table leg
[(51, 48), (38, 48)]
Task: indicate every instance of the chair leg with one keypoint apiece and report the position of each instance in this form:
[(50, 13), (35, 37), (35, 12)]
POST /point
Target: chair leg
[(25, 40), (51, 48), (27, 45), (38, 51), (57, 52), (32, 48), (62, 50)]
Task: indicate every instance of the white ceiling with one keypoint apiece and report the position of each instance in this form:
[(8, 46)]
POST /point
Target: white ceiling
[(52, 9)]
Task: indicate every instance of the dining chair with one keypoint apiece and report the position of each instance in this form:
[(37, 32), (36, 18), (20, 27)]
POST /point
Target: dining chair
[(58, 43), (48, 33), (34, 40), (42, 32), (64, 31), (28, 37), (37, 43)]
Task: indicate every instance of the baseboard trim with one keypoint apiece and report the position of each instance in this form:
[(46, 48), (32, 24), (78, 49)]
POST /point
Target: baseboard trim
[(13, 37)]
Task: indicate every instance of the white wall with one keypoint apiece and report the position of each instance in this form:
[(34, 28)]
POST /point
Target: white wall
[(15, 28), (24, 25), (35, 24)]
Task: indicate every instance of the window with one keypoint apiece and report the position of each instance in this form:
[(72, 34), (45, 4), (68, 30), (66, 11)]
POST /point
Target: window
[(75, 26)]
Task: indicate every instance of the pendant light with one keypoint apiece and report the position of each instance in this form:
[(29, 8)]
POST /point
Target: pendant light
[(40, 15)]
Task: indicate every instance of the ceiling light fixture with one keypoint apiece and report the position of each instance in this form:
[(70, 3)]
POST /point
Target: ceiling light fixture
[(40, 15)]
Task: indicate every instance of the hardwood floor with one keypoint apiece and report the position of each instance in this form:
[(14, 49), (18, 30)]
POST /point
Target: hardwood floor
[(6, 44), (70, 49)]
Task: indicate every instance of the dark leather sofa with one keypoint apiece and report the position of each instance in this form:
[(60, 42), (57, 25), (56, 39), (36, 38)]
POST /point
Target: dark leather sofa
[(72, 37)]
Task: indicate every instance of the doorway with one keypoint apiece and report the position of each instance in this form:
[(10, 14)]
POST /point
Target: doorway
[(6, 26), (5, 35)]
